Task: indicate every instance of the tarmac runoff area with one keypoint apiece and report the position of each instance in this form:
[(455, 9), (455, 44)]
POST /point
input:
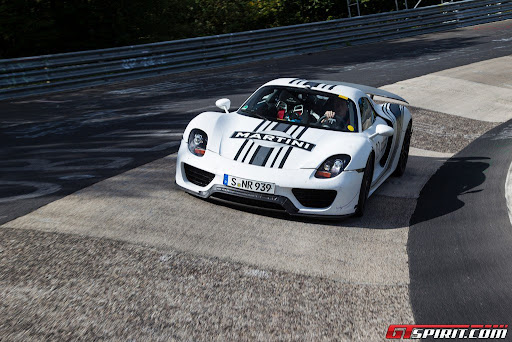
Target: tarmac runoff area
[(194, 269), (480, 91)]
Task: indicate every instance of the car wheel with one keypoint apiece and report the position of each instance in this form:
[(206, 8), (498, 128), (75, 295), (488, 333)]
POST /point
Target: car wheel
[(404, 153), (365, 186)]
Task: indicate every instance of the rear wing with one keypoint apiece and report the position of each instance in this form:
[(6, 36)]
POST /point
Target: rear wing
[(367, 90)]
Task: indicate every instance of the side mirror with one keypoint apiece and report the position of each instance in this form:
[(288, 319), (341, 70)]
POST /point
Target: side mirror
[(223, 104), (383, 130)]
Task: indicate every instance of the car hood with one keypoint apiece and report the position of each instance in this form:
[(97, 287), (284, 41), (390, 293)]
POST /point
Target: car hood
[(279, 144)]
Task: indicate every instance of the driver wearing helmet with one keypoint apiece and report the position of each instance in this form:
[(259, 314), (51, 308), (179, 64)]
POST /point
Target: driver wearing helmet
[(336, 114), (290, 108)]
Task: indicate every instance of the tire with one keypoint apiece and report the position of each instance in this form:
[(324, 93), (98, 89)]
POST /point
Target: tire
[(404, 153), (366, 184)]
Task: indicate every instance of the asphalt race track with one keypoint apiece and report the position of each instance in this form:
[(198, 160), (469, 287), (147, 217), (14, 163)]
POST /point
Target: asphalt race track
[(460, 236), (97, 242), (109, 121)]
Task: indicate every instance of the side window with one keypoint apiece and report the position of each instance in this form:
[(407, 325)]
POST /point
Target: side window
[(367, 114)]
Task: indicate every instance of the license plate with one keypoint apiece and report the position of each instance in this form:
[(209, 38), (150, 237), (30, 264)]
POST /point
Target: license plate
[(248, 184)]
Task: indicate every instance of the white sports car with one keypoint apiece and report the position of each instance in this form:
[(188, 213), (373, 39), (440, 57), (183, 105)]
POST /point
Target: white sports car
[(306, 147)]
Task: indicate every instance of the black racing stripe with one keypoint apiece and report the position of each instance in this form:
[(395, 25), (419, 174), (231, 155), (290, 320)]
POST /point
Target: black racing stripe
[(275, 158), (295, 79), (247, 153), (285, 157), (264, 162), (255, 154), (246, 141), (261, 155), (252, 143), (270, 124), (384, 109), (301, 133), (295, 128), (290, 149), (283, 128), (387, 110), (312, 84), (240, 150), (330, 88)]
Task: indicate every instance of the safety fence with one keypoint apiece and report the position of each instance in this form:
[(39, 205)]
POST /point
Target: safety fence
[(65, 71)]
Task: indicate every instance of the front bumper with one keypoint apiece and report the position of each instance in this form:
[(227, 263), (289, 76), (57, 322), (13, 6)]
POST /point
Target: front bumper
[(347, 185), (252, 199)]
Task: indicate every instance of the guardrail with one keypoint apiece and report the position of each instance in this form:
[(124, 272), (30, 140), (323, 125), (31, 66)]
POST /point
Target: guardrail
[(65, 71)]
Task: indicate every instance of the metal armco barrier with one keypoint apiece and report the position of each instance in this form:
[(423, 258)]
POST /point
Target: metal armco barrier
[(65, 71)]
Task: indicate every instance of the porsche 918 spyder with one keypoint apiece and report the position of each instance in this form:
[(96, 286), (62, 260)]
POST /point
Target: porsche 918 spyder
[(305, 147)]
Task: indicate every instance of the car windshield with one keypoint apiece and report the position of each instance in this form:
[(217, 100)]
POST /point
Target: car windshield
[(302, 107)]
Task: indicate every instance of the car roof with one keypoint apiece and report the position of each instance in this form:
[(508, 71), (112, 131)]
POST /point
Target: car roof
[(350, 90)]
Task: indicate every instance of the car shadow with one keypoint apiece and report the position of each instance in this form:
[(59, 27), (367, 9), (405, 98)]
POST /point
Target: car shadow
[(458, 177)]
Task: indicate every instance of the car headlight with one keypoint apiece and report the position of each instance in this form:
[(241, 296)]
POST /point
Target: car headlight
[(197, 141), (333, 166)]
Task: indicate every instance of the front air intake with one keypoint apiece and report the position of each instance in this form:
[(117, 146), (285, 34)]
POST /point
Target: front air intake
[(197, 176), (312, 198)]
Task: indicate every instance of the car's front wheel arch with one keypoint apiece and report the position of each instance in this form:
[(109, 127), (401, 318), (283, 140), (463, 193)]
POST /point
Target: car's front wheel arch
[(366, 183)]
